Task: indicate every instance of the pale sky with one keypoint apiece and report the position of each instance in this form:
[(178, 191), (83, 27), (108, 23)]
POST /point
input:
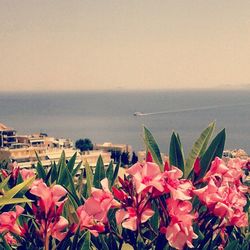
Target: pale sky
[(123, 44)]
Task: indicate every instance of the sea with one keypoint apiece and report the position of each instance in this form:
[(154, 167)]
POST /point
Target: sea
[(108, 116)]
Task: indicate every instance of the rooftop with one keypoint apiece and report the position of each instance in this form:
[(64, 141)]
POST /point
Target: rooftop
[(4, 127)]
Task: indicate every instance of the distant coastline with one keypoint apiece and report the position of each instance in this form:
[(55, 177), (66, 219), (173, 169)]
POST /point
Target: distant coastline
[(108, 116)]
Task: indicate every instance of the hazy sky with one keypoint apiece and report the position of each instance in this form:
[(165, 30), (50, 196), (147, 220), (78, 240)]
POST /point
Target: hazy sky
[(123, 44)]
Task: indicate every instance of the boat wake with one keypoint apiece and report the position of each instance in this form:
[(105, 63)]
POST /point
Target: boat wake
[(189, 109)]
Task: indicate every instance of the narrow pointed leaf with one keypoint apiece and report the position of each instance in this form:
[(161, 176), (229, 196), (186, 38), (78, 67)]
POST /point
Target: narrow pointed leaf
[(40, 171), (110, 173), (152, 147), (176, 156), (80, 182), (86, 243), (215, 149), (69, 183), (62, 175), (4, 182), (71, 162), (76, 169), (198, 148), (12, 192), (89, 178), (54, 173), (115, 174), (99, 173), (4, 201)]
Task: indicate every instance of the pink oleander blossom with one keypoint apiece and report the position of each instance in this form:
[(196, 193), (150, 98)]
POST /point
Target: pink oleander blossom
[(87, 218), (180, 232), (129, 217), (10, 239), (224, 194), (8, 221), (14, 169), (49, 196), (227, 172), (93, 214), (27, 173), (57, 228), (180, 189), (146, 176)]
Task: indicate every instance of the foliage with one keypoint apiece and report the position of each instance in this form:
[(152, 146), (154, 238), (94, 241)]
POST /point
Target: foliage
[(116, 156), (124, 158), (134, 158), (201, 201), (84, 144)]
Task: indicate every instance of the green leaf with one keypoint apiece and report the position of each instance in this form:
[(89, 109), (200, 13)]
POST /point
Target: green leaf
[(110, 173), (198, 148), (86, 243), (70, 185), (71, 162), (89, 178), (104, 244), (5, 201), (40, 171), (233, 245), (4, 182), (115, 174), (61, 169), (154, 220), (176, 155), (74, 200), (215, 149), (12, 192), (75, 240), (152, 147), (76, 169), (99, 173), (54, 173), (80, 182)]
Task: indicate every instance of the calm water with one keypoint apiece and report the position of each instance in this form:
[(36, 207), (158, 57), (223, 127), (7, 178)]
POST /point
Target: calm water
[(108, 116)]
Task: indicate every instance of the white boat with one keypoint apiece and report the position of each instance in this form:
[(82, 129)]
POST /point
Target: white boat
[(138, 114)]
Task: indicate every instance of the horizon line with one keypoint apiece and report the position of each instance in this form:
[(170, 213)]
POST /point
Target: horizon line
[(225, 88)]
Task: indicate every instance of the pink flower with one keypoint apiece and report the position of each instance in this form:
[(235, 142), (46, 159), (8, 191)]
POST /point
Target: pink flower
[(48, 210), (130, 218), (54, 227), (147, 176), (27, 173), (180, 231), (14, 169), (105, 198), (230, 172), (93, 214), (179, 188), (57, 228), (10, 239), (87, 214), (8, 221), (210, 194), (225, 201), (49, 196), (178, 235)]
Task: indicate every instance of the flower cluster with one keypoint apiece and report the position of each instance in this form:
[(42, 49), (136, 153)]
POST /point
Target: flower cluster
[(146, 183), (93, 214), (8, 224), (224, 194), (48, 210), (182, 209)]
